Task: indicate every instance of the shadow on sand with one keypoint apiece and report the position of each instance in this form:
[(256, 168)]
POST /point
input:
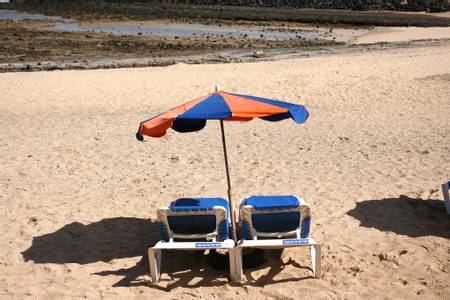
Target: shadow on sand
[(125, 237), (99, 241), (404, 215), (194, 269)]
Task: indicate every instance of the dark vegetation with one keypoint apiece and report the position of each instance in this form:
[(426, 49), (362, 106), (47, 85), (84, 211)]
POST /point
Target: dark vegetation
[(146, 10)]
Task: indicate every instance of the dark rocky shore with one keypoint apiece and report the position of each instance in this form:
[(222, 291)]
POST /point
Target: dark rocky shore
[(225, 56), (31, 45)]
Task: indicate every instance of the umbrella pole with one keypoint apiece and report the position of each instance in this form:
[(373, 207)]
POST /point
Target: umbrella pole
[(233, 223)]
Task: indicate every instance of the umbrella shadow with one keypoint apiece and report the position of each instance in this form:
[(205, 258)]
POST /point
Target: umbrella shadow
[(122, 237), (413, 217), (126, 237)]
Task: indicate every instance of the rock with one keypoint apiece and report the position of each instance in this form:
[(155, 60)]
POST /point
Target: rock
[(32, 220), (420, 292), (258, 54), (355, 270), (388, 256)]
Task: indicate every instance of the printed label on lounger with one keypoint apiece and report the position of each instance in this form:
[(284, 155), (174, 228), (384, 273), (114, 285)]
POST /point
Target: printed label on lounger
[(295, 242), (208, 245)]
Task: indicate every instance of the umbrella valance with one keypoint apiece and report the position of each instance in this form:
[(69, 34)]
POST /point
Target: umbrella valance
[(220, 105)]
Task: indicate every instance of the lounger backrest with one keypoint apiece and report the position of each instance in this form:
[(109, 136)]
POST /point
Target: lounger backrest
[(248, 214), (167, 217)]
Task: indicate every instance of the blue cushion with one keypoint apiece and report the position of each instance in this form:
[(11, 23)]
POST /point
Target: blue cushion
[(277, 221), (272, 202), (198, 204), (193, 224)]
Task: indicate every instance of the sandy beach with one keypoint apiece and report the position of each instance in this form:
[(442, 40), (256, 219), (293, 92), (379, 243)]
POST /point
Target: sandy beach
[(403, 34), (79, 193)]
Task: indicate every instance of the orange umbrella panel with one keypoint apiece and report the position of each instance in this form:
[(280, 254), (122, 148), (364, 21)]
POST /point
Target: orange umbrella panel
[(192, 116)]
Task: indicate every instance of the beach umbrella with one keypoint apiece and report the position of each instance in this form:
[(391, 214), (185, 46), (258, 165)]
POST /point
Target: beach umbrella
[(222, 106)]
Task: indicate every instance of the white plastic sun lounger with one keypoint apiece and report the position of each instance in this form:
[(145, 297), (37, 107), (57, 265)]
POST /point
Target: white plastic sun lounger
[(445, 192), (273, 222), (202, 221)]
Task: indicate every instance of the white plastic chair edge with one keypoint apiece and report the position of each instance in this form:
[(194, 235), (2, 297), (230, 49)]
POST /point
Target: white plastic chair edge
[(155, 252), (445, 192), (304, 208), (246, 211), (164, 212), (316, 255), (235, 252)]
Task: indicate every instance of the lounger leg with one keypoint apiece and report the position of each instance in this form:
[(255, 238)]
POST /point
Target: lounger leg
[(236, 256), (445, 190), (154, 260), (316, 259), (232, 257)]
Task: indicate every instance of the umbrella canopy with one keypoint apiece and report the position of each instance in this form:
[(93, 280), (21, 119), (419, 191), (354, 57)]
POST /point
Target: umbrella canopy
[(220, 105)]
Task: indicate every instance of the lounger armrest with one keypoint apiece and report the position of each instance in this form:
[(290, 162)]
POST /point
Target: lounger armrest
[(305, 219), (161, 215), (445, 192), (221, 222), (246, 221)]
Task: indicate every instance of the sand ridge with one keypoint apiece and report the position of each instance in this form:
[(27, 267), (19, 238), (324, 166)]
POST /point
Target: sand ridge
[(79, 193)]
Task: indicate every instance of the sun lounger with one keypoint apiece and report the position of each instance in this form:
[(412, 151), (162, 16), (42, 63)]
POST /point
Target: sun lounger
[(271, 222), (202, 221), (445, 191)]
